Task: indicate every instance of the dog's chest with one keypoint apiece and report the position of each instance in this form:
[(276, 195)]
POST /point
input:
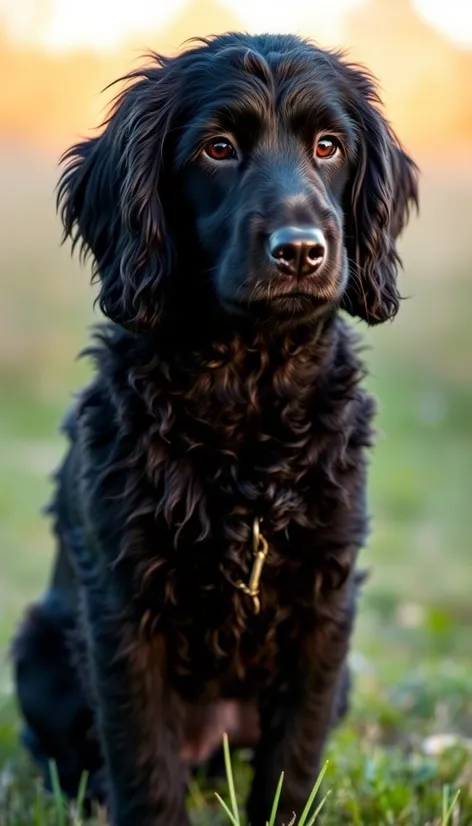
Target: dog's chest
[(210, 464), (229, 463), (208, 500), (197, 577), (229, 617)]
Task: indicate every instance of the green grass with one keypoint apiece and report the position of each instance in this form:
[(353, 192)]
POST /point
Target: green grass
[(411, 653), (394, 786)]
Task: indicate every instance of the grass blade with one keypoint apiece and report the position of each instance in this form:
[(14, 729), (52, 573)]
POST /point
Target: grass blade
[(445, 801), (448, 808), (318, 809), (314, 792), (57, 794), (226, 809), (275, 804), (39, 816), (229, 776), (81, 795)]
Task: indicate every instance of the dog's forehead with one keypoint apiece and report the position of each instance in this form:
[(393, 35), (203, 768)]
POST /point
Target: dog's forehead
[(256, 75), (271, 62)]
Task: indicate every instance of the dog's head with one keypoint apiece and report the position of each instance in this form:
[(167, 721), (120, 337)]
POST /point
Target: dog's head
[(252, 176)]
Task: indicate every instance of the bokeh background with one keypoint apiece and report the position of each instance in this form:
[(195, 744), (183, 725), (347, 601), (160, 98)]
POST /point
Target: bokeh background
[(414, 637)]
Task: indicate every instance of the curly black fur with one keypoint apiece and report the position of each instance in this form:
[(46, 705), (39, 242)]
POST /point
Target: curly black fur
[(223, 392)]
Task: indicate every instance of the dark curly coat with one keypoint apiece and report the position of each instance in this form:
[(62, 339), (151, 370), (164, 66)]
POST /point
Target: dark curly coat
[(227, 388)]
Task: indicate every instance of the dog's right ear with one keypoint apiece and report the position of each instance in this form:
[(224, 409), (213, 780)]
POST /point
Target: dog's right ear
[(111, 202)]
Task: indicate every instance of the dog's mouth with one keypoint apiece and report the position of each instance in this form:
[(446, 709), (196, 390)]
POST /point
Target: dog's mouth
[(292, 301), (295, 305), (294, 296)]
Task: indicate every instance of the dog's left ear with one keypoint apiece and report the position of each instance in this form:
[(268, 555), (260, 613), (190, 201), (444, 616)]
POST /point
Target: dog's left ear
[(112, 203), (379, 195)]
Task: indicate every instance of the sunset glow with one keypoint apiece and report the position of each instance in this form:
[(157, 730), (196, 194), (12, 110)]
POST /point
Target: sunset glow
[(63, 52), (60, 25)]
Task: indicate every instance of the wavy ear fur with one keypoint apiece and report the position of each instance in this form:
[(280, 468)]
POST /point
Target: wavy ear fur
[(379, 196), (110, 199)]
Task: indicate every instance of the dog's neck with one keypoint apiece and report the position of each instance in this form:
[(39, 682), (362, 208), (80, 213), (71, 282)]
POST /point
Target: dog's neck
[(233, 366), (243, 387)]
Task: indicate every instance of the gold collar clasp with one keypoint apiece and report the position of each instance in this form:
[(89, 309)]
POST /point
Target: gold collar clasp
[(260, 549)]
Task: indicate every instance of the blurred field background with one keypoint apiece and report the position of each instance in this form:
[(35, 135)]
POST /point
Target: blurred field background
[(412, 650)]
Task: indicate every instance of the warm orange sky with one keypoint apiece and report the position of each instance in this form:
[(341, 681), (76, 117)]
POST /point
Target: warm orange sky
[(65, 24), (425, 76)]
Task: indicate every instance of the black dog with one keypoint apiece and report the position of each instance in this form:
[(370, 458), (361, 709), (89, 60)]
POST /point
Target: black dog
[(212, 503)]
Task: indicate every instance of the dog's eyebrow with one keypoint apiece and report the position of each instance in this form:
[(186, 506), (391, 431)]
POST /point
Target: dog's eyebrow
[(308, 109), (234, 117)]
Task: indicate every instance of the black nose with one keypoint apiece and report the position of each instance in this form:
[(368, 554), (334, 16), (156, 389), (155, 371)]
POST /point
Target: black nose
[(297, 250)]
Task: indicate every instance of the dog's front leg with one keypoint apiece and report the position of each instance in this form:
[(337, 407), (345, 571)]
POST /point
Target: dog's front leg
[(296, 719), (138, 717)]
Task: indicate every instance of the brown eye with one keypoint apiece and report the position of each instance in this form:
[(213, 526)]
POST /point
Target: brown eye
[(220, 150), (327, 147)]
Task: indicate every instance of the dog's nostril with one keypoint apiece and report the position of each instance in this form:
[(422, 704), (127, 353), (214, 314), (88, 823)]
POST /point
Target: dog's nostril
[(285, 252), (316, 252)]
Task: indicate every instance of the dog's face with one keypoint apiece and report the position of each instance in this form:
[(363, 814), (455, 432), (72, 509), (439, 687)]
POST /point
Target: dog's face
[(264, 164), (254, 175)]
